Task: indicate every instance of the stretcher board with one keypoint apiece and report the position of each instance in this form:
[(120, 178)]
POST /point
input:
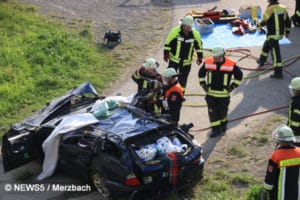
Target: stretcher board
[(222, 36)]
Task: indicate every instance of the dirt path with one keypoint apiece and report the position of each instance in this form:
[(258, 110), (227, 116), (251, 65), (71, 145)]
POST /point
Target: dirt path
[(254, 95)]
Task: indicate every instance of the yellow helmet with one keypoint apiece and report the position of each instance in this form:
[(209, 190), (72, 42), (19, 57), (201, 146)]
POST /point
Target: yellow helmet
[(188, 20)]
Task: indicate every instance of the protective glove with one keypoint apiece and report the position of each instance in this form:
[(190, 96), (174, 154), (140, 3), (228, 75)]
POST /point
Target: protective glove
[(166, 57), (204, 86), (264, 194), (199, 60), (165, 104), (232, 87)]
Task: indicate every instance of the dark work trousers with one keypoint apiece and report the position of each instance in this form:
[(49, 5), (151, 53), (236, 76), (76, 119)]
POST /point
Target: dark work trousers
[(217, 110), (183, 72), (273, 46)]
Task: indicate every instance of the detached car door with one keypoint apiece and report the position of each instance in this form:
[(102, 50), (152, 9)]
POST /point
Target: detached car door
[(22, 146)]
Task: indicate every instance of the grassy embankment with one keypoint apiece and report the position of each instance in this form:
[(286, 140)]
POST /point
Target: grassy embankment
[(41, 59)]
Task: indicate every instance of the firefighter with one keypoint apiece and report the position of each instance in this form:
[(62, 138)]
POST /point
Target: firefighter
[(283, 175), (215, 77), (172, 96), (278, 24), (179, 48), (294, 109), (296, 17), (149, 85)]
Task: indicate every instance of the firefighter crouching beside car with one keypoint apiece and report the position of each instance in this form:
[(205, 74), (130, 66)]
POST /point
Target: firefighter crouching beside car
[(149, 85), (294, 109), (179, 48), (172, 99), (282, 176), (215, 77)]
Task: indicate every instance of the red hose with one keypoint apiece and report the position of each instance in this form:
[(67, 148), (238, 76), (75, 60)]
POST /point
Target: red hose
[(245, 116)]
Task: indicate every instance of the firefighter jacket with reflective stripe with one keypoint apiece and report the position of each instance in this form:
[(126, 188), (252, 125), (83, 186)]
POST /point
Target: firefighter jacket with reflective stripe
[(180, 47), (277, 20), (174, 96), (143, 80), (283, 175), (218, 77), (294, 117), (149, 87)]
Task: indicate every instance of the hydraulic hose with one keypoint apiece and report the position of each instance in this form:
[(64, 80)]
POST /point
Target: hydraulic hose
[(245, 116)]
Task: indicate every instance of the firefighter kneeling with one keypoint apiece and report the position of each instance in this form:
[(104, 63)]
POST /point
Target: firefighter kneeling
[(215, 77)]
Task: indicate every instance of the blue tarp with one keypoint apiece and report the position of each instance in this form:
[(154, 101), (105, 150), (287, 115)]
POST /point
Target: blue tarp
[(222, 36)]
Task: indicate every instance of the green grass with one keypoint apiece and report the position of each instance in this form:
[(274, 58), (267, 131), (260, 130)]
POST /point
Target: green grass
[(41, 59)]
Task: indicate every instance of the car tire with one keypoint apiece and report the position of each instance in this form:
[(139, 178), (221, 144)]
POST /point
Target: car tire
[(98, 181)]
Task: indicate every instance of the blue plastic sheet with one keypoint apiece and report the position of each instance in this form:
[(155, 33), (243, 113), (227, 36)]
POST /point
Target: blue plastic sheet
[(223, 36)]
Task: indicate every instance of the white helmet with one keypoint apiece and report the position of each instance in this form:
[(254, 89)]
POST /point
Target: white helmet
[(188, 20), (169, 72), (295, 86), (217, 51), (150, 63), (283, 133)]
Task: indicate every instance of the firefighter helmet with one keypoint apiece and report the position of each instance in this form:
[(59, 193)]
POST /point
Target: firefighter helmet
[(150, 63), (169, 72), (283, 133), (188, 20), (217, 51), (295, 84)]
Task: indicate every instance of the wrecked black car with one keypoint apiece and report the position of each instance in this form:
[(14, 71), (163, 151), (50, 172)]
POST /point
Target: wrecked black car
[(120, 149)]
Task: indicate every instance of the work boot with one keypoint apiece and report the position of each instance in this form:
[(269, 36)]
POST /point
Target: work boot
[(277, 73), (260, 63), (224, 126), (276, 76), (216, 131), (295, 21)]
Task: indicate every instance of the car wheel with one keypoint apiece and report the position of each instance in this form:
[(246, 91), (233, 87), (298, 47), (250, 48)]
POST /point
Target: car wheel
[(99, 183)]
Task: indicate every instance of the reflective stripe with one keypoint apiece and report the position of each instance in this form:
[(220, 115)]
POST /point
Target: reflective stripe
[(209, 77), (225, 80), (189, 41), (281, 185), (276, 18), (264, 53), (174, 59), (145, 84), (181, 39), (136, 75), (226, 68), (215, 123), (267, 186), (238, 82), (297, 111), (210, 66), (201, 79), (217, 93), (167, 48), (289, 162), (295, 124), (224, 120), (178, 48)]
